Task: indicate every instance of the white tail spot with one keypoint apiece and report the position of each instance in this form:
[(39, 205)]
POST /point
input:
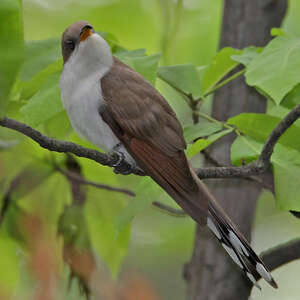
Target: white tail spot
[(237, 243), (263, 272), (232, 255), (213, 228)]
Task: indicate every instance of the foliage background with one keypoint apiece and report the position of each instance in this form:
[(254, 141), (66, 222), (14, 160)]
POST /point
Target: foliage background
[(159, 245)]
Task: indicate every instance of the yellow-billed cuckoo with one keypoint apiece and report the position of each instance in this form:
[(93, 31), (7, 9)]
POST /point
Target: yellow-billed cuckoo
[(118, 110)]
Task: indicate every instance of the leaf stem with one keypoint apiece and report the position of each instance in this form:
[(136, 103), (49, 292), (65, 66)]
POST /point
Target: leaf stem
[(224, 82), (188, 98), (225, 125), (211, 119)]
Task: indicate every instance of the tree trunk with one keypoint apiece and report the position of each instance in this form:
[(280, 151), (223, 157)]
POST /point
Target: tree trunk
[(211, 274)]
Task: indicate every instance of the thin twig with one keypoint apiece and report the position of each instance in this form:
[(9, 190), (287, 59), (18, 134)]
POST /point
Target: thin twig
[(83, 181), (277, 132), (79, 194), (61, 146), (256, 179), (170, 210), (213, 120), (224, 82), (80, 180)]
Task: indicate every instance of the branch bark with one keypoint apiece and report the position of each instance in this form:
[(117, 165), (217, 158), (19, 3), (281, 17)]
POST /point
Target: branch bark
[(281, 254), (60, 146), (257, 167)]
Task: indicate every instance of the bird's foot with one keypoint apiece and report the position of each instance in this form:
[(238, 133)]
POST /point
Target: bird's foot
[(121, 166)]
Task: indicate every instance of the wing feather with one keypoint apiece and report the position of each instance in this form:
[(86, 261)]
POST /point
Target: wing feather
[(140, 110), (150, 131)]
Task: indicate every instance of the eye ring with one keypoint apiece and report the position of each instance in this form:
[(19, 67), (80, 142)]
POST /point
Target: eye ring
[(70, 44)]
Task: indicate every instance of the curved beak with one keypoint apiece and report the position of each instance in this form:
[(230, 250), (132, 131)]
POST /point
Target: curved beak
[(86, 31)]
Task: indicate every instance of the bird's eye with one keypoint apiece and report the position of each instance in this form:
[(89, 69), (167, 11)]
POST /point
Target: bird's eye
[(70, 44)]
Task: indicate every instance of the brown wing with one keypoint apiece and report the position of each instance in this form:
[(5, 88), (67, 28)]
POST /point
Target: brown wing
[(140, 110), (149, 129)]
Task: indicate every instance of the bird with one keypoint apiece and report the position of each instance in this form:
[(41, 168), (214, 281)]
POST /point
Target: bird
[(119, 111)]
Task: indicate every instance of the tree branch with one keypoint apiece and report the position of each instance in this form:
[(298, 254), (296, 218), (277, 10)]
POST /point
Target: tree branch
[(281, 254), (279, 130), (255, 168), (175, 212), (74, 177), (262, 164), (256, 179), (60, 146), (82, 181)]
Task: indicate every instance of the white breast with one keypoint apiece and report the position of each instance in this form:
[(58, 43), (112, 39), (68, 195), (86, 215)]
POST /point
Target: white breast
[(82, 96)]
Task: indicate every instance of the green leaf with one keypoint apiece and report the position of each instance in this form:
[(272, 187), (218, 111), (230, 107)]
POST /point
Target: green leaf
[(280, 112), (59, 126), (286, 168), (100, 212), (201, 70), (38, 56), (111, 40), (244, 150), (11, 47), (145, 65), (72, 225), (9, 265), (201, 144), (221, 65), (32, 86), (182, 77), (247, 55), (35, 187), (202, 129), (260, 126), (6, 145), (29, 178), (45, 104), (292, 98), (133, 53), (147, 192), (276, 69), (49, 196), (277, 32)]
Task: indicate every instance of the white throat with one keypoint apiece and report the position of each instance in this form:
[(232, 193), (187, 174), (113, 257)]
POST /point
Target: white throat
[(81, 90), (90, 57)]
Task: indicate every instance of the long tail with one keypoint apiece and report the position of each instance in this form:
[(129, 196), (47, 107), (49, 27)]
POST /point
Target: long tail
[(173, 174), (236, 245)]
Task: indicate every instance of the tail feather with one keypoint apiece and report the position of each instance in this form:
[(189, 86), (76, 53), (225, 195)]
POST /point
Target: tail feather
[(232, 251), (237, 246)]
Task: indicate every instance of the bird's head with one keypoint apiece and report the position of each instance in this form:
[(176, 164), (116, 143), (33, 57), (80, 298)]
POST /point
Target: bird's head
[(81, 39), (73, 36), (84, 50)]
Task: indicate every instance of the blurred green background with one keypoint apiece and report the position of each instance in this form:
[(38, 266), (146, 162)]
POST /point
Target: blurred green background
[(159, 244)]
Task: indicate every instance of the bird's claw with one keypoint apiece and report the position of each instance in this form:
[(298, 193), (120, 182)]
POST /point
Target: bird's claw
[(122, 166)]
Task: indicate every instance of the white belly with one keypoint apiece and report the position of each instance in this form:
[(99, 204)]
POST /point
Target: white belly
[(82, 101), (82, 96)]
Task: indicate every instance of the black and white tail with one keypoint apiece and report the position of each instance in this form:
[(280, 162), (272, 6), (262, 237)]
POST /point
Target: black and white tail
[(237, 246)]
